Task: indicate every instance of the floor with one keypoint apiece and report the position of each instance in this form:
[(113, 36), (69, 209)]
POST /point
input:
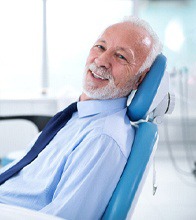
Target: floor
[(175, 198)]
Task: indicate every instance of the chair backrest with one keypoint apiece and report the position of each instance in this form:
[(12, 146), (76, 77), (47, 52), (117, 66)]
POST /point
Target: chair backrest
[(148, 90), (129, 186)]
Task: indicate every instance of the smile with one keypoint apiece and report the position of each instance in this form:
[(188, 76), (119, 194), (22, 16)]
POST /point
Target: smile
[(98, 76)]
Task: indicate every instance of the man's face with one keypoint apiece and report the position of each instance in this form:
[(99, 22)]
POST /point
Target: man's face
[(114, 61)]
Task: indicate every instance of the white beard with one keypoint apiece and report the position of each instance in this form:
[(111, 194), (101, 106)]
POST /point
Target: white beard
[(110, 91)]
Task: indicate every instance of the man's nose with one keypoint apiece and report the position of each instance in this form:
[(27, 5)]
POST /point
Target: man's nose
[(103, 60)]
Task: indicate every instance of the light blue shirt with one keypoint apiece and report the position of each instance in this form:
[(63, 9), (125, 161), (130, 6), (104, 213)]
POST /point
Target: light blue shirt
[(76, 174)]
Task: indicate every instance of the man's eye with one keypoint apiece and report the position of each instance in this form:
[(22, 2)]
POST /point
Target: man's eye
[(121, 57), (100, 47)]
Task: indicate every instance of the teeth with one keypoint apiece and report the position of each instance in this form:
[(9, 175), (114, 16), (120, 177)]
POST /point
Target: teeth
[(97, 76)]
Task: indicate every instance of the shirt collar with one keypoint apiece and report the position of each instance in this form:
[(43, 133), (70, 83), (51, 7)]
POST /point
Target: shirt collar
[(92, 107)]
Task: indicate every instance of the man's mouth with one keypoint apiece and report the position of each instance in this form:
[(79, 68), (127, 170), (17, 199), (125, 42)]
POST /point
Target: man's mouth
[(97, 76)]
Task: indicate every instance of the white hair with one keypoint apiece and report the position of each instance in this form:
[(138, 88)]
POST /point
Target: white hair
[(157, 45)]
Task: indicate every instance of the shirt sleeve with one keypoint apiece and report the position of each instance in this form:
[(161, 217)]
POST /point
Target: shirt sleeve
[(88, 179)]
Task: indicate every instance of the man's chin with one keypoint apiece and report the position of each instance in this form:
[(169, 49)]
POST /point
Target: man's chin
[(99, 94), (107, 92)]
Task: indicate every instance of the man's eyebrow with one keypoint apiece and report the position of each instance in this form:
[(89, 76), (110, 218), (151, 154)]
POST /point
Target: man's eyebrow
[(126, 50), (101, 40)]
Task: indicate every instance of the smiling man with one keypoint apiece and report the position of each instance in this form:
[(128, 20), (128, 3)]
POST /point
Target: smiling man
[(75, 174), (112, 68)]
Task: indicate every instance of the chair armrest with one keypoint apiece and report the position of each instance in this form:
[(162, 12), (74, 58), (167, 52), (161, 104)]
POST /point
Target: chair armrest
[(39, 120)]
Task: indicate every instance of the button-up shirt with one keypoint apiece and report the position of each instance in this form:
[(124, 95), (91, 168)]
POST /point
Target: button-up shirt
[(76, 174)]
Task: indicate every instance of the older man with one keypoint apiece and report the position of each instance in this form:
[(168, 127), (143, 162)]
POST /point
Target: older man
[(75, 174)]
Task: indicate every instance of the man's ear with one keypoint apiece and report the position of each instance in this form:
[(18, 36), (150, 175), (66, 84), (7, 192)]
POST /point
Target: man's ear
[(140, 78)]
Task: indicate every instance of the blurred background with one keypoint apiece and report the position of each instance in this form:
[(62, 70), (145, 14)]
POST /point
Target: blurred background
[(43, 48)]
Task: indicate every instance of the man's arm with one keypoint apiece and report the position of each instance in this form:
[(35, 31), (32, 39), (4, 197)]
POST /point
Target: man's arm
[(88, 180)]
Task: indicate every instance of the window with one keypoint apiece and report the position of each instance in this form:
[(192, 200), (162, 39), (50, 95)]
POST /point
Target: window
[(20, 44), (72, 28)]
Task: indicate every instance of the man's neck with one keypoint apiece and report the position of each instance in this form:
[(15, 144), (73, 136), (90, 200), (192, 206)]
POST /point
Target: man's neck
[(84, 97)]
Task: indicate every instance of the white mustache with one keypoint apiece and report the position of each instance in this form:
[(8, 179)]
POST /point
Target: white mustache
[(102, 71)]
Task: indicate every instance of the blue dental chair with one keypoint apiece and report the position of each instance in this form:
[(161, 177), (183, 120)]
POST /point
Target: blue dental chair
[(147, 108)]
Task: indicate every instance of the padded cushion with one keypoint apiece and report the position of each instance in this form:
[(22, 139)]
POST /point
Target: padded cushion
[(125, 193), (147, 90)]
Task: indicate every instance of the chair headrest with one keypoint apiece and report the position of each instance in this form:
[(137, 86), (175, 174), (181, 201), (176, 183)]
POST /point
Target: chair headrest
[(151, 91)]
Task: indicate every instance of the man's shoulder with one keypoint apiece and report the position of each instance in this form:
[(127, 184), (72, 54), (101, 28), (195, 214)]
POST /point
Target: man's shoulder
[(118, 127), (108, 127)]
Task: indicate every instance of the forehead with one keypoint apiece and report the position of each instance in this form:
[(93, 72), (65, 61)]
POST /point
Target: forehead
[(128, 36)]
